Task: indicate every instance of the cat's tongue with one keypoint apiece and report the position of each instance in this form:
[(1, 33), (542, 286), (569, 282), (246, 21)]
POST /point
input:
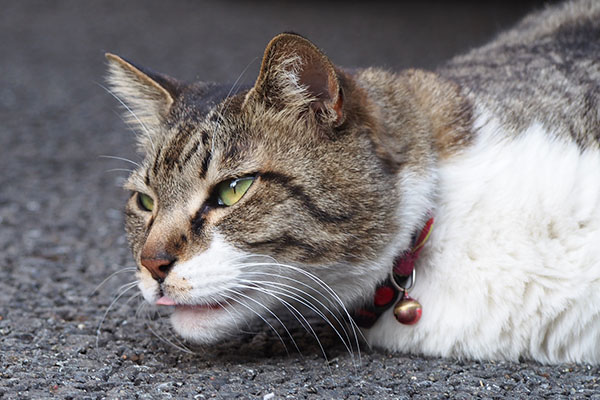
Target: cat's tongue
[(165, 301)]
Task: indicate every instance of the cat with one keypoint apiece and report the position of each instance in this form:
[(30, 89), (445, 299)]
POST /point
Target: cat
[(313, 186)]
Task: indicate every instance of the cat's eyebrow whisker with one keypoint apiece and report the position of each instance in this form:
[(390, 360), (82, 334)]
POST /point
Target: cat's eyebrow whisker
[(131, 112), (239, 294), (127, 124), (121, 159), (295, 312), (221, 115), (298, 295), (307, 303), (122, 270), (240, 76), (212, 140), (129, 171)]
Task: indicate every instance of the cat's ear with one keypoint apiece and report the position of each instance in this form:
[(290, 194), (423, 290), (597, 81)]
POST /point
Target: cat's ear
[(148, 96), (297, 74)]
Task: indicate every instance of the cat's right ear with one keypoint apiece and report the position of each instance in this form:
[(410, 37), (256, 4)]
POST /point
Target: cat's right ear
[(296, 75), (147, 96)]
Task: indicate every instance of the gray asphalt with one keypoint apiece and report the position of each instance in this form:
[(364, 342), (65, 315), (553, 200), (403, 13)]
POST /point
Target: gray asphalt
[(61, 222)]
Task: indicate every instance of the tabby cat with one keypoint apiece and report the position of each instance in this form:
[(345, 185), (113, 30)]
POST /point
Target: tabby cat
[(307, 190)]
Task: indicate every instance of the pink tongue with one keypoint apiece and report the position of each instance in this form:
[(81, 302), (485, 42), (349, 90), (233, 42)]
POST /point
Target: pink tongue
[(165, 301)]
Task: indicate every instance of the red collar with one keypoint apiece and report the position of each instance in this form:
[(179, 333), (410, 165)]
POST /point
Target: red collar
[(407, 310)]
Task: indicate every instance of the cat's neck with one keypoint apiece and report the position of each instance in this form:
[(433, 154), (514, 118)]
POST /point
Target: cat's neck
[(421, 120), (419, 109)]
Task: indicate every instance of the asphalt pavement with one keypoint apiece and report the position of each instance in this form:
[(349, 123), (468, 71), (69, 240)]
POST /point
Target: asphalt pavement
[(62, 333)]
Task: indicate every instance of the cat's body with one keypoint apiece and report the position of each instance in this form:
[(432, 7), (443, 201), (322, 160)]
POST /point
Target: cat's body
[(501, 146), (512, 268)]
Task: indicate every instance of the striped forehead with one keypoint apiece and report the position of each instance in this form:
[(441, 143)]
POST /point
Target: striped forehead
[(201, 125), (187, 142)]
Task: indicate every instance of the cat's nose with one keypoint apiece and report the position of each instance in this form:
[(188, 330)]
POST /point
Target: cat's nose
[(159, 266)]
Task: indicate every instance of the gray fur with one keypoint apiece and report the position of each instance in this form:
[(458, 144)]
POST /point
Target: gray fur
[(546, 69)]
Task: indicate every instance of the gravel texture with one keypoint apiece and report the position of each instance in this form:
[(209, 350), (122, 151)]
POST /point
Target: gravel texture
[(61, 222)]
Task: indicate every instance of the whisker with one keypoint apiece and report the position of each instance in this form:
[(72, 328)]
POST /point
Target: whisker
[(141, 307), (291, 307), (334, 305), (178, 340), (214, 300), (123, 270), (133, 297), (255, 287), (355, 329), (120, 170), (149, 321), (291, 295), (226, 300), (129, 286), (167, 341), (264, 320), (121, 159), (127, 124)]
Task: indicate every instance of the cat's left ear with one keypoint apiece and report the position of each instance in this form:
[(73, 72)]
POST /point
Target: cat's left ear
[(297, 74), (148, 96)]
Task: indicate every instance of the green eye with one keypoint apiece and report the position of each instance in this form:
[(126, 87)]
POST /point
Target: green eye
[(231, 191), (145, 202)]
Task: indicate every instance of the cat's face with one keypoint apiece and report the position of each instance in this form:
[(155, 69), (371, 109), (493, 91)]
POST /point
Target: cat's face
[(245, 204)]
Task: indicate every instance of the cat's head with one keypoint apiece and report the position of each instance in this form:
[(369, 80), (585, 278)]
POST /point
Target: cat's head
[(249, 199)]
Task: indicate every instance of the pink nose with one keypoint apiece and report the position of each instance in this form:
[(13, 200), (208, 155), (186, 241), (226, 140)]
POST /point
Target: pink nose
[(159, 267)]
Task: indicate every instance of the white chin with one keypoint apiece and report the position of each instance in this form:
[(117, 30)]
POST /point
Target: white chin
[(202, 325)]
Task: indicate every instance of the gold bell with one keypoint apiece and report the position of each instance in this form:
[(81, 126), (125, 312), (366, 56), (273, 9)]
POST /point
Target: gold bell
[(408, 310)]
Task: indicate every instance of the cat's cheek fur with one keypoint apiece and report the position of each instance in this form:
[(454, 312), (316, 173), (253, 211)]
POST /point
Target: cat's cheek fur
[(207, 277), (512, 268), (212, 273)]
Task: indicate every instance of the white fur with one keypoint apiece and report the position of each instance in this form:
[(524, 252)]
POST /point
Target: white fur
[(512, 268), (204, 279), (209, 273)]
